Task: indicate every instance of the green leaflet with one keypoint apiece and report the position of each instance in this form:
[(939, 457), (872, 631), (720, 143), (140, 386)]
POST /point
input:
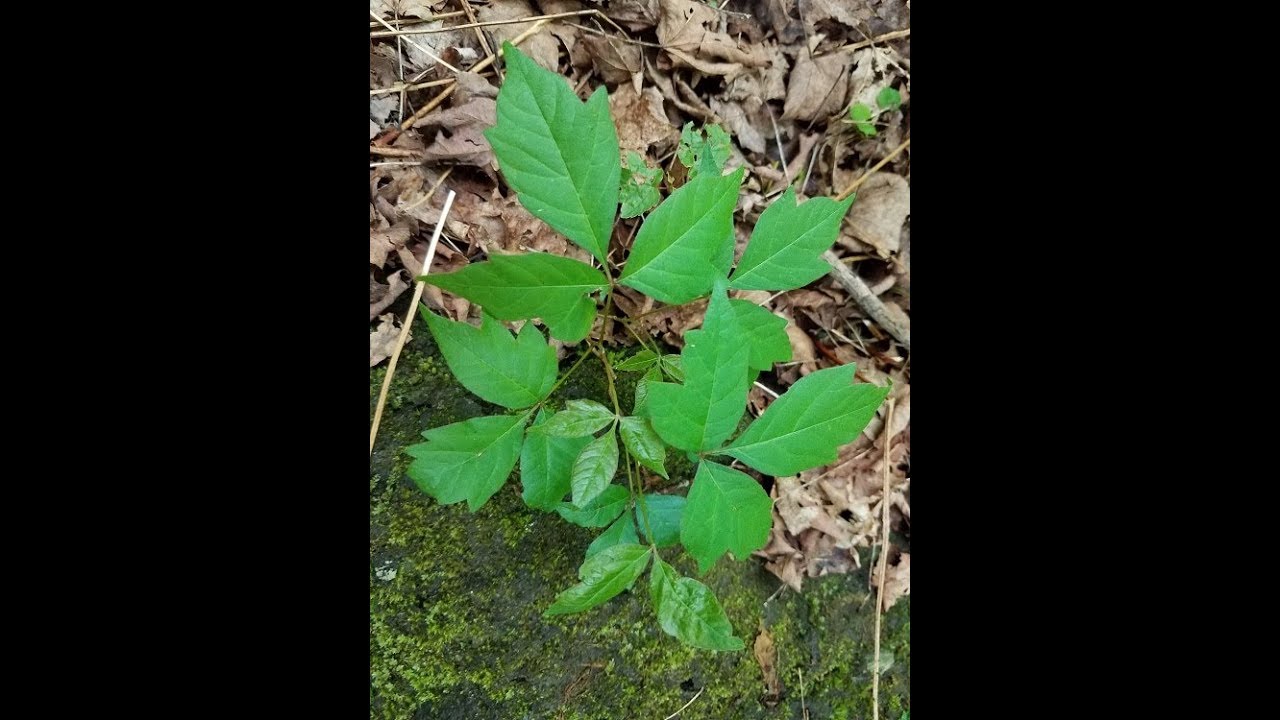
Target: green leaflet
[(508, 371), (468, 460), (764, 333), (806, 426), (603, 576), (861, 115), (638, 186), (622, 531), (638, 362), (594, 468), (704, 412), (643, 444), (785, 251), (640, 407), (687, 242), (726, 510), (600, 511), (673, 366), (703, 157), (545, 465), (687, 610), (665, 512), (580, 418), (519, 287), (559, 154), (888, 98)]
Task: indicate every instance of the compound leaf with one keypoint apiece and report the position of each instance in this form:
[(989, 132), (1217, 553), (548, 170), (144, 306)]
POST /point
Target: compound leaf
[(600, 511), (580, 418), (689, 611), (603, 576), (665, 512), (687, 242), (785, 251), (704, 411), (764, 333), (622, 531), (727, 510), (559, 154), (546, 463), (532, 285), (506, 370), (468, 460), (643, 443), (594, 468), (805, 427)]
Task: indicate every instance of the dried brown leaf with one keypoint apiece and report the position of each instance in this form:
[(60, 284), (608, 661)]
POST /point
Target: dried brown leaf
[(641, 121), (616, 61), (405, 8), (382, 339), (382, 242), (897, 581), (767, 655), (473, 85), (685, 31), (542, 46), (883, 204), (381, 296), (633, 14), (818, 87), (465, 143), (743, 129)]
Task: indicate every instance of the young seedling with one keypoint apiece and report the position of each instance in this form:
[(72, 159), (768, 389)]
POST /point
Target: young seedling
[(561, 157), (863, 117)]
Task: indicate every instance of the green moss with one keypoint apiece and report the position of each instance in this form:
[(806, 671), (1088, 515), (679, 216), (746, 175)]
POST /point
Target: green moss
[(456, 601)]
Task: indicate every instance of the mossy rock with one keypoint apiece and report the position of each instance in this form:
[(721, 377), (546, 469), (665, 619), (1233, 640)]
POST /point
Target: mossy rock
[(456, 601)]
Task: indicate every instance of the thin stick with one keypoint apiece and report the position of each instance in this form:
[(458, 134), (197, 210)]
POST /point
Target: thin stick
[(778, 138), (394, 152), (429, 54), (867, 299), (435, 102), (404, 330), (421, 21), (416, 86), (395, 163), (766, 389), (430, 192), (471, 15), (695, 697), (867, 43), (804, 709), (884, 559), (809, 171), (857, 183), (487, 23)]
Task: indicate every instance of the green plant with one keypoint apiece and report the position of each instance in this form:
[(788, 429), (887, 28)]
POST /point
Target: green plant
[(863, 117), (562, 158)]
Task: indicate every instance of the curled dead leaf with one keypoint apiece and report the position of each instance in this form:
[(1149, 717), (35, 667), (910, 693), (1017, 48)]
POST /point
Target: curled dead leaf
[(684, 28), (383, 338), (767, 655), (382, 295)]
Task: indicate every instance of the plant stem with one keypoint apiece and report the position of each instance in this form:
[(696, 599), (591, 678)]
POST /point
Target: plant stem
[(640, 503), (564, 377), (650, 344)]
